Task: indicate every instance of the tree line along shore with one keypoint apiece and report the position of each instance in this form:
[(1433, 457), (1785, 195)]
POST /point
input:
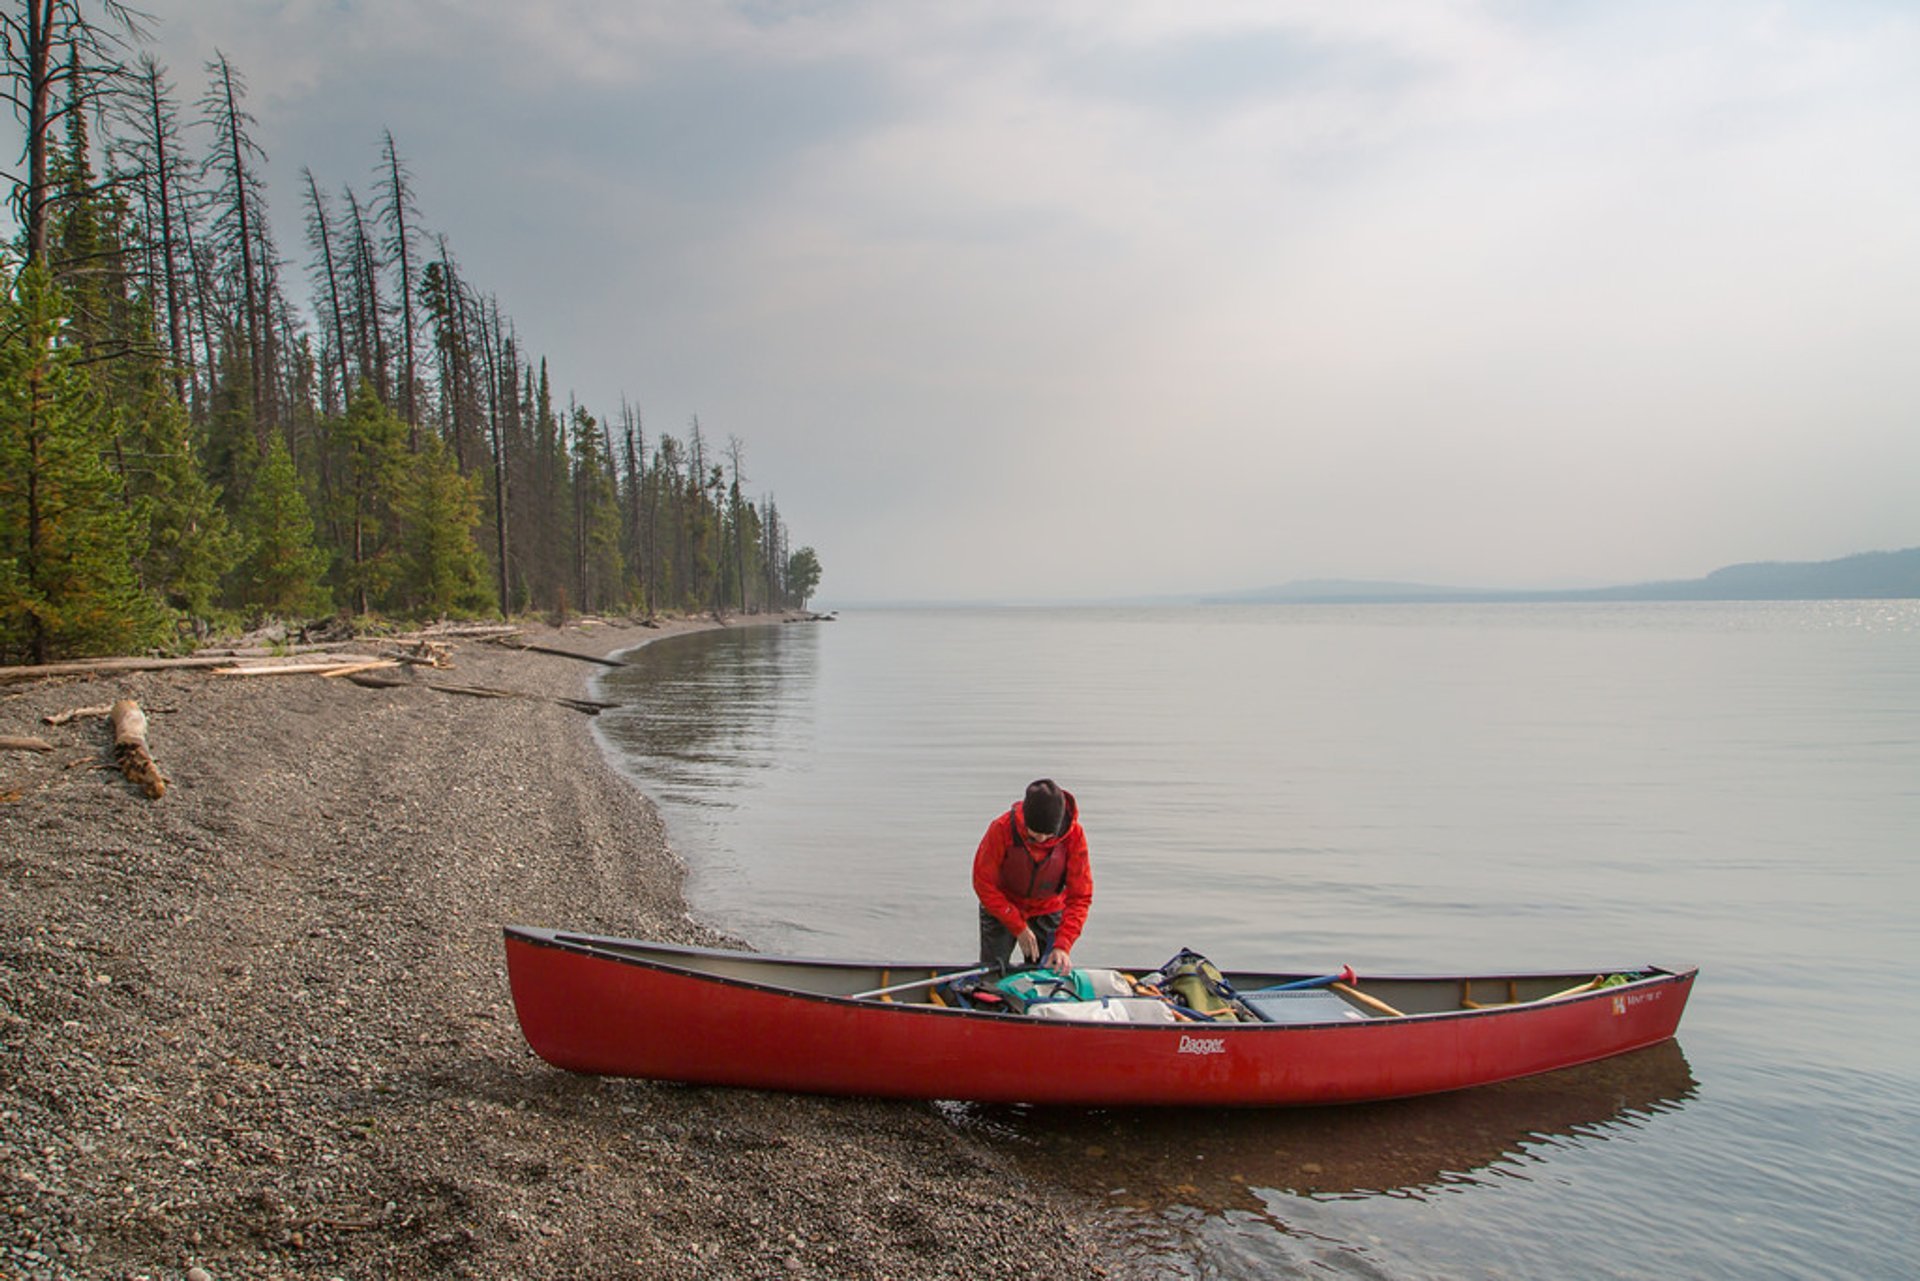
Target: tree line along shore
[(184, 450)]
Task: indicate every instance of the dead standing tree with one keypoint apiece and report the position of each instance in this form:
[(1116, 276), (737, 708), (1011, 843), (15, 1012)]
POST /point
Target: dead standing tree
[(239, 225), (152, 147), (327, 274), (55, 61), (396, 208)]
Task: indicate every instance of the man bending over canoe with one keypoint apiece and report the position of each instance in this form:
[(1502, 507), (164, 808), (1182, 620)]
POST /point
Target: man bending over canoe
[(1034, 880)]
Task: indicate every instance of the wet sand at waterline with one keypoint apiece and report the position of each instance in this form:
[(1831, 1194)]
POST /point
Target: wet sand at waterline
[(260, 1026)]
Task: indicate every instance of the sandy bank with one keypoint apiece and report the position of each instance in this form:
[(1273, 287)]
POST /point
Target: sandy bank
[(260, 1027)]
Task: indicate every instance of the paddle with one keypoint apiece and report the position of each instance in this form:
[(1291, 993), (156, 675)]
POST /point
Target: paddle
[(1343, 984), (920, 983), (1346, 975)]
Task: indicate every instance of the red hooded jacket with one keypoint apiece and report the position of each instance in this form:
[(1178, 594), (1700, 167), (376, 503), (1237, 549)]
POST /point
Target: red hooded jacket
[(1018, 877)]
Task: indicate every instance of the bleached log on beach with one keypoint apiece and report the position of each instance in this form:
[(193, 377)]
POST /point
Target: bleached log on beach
[(327, 667), (274, 651), (464, 631), (103, 667), (11, 743), (130, 748), (370, 665)]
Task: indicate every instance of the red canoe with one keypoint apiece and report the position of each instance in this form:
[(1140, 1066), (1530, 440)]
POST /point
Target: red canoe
[(621, 1007)]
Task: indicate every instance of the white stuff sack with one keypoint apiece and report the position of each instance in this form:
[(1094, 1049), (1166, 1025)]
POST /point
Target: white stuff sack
[(1107, 1009), (1107, 982)]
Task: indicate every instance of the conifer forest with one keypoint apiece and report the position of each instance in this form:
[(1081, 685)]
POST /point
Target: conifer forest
[(201, 429)]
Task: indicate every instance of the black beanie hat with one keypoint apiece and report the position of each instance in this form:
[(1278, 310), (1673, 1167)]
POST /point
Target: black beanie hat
[(1045, 809)]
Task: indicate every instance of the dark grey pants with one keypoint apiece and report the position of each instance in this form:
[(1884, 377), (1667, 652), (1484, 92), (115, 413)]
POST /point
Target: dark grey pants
[(996, 945)]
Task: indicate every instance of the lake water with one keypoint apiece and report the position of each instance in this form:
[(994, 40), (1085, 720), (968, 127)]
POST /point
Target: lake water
[(1432, 787)]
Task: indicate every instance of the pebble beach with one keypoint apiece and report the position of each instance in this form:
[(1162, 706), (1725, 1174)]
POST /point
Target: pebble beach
[(259, 1026)]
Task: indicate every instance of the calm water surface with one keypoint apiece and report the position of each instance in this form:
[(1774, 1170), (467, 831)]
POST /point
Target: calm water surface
[(1419, 788)]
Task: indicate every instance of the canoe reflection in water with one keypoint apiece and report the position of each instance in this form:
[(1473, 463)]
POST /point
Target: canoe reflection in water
[(1216, 1161)]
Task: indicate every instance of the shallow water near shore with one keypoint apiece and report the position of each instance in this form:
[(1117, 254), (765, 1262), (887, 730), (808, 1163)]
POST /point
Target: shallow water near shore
[(1396, 788)]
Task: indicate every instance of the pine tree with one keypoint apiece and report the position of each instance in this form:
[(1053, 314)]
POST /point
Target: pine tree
[(598, 570), (368, 445), (443, 572), (281, 570), (188, 540), (803, 575), (67, 542)]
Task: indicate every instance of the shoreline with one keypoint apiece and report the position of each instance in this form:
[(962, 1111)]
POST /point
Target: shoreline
[(260, 1026)]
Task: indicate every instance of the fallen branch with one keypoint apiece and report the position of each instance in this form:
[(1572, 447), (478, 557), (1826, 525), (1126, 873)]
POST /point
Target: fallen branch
[(11, 744), (425, 653), (130, 748), (74, 713)]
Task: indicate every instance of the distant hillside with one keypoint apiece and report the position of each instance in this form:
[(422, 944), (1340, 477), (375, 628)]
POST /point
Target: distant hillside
[(1866, 576)]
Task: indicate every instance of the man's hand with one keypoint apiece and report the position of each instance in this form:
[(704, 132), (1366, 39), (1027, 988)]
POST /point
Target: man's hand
[(1059, 962), (1029, 945)]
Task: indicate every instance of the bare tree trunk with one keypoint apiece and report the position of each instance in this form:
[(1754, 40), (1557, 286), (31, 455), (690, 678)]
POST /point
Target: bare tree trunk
[(245, 215), (38, 56), (163, 182), (399, 200), (636, 474), (373, 337), (322, 236), (490, 335)]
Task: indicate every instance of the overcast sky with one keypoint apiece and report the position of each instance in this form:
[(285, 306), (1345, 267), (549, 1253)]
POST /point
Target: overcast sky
[(1096, 297)]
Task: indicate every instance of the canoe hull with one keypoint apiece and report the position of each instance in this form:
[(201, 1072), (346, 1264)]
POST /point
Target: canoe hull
[(587, 1005)]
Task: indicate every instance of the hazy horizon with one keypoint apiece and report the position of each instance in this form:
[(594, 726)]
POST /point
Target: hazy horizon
[(1108, 299), (1360, 589)]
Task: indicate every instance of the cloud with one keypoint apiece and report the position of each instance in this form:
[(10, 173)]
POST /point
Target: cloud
[(1154, 292)]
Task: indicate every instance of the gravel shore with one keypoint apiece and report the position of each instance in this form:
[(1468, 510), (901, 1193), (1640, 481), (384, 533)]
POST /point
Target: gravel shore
[(260, 1027)]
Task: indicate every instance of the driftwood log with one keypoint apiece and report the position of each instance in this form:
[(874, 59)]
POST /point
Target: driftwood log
[(370, 681), (510, 643), (130, 748), (309, 667), (103, 667), (425, 653), (9, 743)]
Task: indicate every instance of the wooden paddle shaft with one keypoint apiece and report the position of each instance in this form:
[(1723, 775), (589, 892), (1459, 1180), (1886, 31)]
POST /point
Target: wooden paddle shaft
[(1373, 1003)]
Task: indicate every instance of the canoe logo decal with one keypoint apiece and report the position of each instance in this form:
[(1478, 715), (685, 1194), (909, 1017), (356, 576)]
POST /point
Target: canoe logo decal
[(1203, 1045), (1619, 1005)]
